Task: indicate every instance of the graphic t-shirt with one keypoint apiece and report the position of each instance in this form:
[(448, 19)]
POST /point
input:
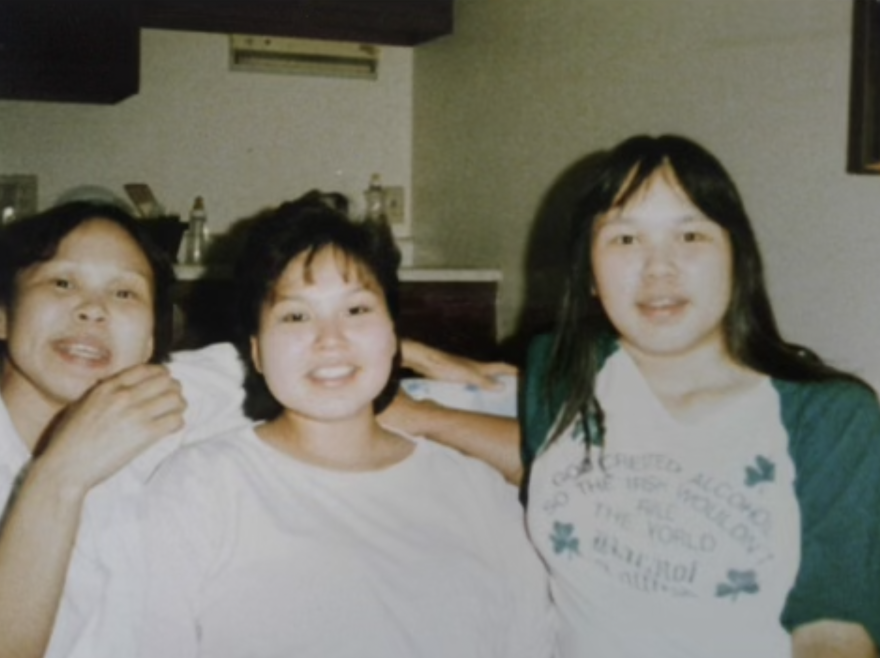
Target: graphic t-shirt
[(695, 521), (715, 537)]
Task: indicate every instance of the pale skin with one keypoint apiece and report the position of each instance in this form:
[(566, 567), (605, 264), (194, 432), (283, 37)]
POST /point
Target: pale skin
[(443, 366), (662, 271), (81, 396), (325, 346)]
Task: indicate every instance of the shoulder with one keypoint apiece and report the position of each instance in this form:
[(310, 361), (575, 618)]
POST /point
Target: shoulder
[(453, 466), (838, 408), (835, 391), (537, 411), (212, 379), (218, 359), (205, 463)]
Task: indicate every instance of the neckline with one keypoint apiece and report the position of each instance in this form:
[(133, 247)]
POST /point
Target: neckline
[(291, 461), (724, 409)]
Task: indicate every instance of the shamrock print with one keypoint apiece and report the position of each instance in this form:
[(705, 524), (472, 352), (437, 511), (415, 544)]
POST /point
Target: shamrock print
[(564, 540), (738, 582), (763, 471)]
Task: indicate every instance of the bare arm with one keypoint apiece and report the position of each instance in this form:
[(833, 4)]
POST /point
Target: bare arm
[(93, 439), (440, 365), (492, 439), (832, 639)]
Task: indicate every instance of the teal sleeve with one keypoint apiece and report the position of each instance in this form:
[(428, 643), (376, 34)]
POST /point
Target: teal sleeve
[(835, 444), (536, 416)]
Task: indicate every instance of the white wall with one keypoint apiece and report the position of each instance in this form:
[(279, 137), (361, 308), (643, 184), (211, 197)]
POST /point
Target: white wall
[(242, 140), (526, 87)]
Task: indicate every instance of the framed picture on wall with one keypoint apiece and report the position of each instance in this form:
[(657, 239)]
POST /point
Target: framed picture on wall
[(863, 153)]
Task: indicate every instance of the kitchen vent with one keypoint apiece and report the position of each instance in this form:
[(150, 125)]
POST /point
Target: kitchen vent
[(333, 59)]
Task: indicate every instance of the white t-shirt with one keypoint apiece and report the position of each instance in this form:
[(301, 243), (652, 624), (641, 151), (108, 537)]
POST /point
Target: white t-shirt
[(14, 456), (211, 380), (250, 552), (683, 541)]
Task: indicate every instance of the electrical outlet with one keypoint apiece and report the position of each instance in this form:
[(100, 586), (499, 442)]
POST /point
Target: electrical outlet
[(395, 205)]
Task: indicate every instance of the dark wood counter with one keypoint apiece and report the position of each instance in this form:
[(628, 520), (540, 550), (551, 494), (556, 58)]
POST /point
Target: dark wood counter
[(453, 310)]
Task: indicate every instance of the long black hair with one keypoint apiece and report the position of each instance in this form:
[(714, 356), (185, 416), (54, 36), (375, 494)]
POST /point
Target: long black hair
[(584, 330), (35, 239), (307, 226)]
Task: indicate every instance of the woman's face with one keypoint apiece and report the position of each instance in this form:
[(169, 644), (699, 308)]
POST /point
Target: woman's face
[(83, 315), (663, 271), (326, 342)]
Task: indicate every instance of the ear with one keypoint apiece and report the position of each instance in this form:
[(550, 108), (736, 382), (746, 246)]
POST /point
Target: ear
[(255, 354)]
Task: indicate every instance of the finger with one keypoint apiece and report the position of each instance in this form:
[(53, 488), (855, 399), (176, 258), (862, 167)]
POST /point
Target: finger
[(137, 374), (131, 388), (167, 402), (490, 375)]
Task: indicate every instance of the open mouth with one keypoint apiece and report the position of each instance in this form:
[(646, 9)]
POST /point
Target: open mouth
[(332, 374), (662, 307), (83, 350)]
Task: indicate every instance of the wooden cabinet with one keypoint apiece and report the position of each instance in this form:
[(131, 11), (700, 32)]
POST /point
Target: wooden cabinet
[(455, 315), (392, 22), (88, 51), (58, 50)]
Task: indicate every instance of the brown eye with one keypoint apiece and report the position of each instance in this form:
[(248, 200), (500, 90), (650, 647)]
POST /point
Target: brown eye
[(625, 239), (359, 309)]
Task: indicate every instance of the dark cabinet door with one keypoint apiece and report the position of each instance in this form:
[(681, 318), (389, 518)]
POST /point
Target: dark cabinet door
[(393, 22), (456, 316), (69, 50)]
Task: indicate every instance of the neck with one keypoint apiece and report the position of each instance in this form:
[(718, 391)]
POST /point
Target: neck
[(31, 414), (354, 443), (708, 367)]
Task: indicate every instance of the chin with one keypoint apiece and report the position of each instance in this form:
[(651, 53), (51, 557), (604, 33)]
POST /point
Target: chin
[(332, 412)]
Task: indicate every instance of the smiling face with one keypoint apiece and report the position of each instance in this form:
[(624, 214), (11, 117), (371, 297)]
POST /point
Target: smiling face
[(663, 271), (326, 341), (79, 317)]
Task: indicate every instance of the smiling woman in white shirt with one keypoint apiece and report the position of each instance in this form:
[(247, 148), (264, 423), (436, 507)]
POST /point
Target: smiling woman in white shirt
[(319, 532)]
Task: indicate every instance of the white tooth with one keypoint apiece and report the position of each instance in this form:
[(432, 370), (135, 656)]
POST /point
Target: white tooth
[(332, 372), (84, 351)]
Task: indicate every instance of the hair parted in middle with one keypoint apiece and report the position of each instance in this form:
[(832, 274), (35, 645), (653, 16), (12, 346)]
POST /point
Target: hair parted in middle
[(583, 328)]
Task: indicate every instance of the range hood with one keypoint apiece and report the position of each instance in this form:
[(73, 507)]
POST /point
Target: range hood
[(336, 59)]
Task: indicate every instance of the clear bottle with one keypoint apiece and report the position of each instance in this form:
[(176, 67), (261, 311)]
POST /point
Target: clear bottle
[(374, 196), (197, 235)]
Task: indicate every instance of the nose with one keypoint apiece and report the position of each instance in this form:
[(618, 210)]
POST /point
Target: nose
[(660, 260), (329, 333), (91, 309)]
